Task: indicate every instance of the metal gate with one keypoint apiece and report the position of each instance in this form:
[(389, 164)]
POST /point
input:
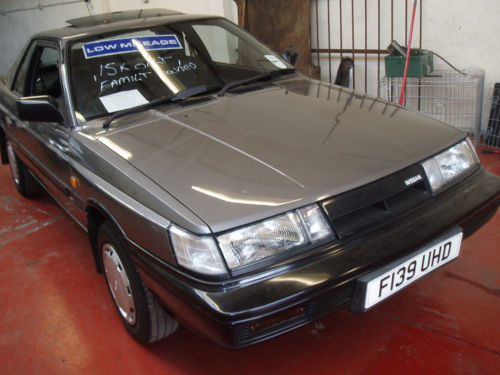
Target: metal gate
[(348, 26)]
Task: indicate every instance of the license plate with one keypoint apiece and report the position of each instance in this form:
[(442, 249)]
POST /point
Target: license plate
[(382, 283)]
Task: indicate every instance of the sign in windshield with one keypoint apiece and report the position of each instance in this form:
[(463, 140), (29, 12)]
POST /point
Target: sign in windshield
[(124, 45)]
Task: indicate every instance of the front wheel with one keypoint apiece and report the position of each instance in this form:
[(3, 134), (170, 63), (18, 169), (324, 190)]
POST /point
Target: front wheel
[(25, 183), (139, 311)]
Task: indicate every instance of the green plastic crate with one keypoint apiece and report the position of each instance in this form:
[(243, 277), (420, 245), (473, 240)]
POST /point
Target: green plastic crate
[(419, 65)]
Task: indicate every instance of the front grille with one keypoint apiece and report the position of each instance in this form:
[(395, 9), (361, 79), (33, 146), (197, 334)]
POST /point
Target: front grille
[(339, 299), (377, 202), (315, 309), (242, 333)]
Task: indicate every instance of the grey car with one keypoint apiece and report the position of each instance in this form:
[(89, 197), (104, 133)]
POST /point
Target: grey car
[(222, 189)]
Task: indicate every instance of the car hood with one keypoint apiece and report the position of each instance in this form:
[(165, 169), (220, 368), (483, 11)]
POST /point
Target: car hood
[(247, 156)]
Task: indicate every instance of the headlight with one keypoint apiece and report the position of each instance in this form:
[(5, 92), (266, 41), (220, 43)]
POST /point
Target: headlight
[(447, 166), (197, 253), (274, 236)]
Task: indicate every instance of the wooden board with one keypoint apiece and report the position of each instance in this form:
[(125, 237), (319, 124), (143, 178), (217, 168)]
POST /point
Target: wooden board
[(281, 24)]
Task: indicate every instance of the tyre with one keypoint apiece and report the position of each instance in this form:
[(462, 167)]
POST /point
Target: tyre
[(24, 181), (138, 309)]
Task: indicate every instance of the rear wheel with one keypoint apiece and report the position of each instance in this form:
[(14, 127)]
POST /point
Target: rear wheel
[(139, 311), (24, 181)]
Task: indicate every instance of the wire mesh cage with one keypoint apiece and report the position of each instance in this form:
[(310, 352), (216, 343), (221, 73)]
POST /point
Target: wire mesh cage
[(448, 96), (491, 136)]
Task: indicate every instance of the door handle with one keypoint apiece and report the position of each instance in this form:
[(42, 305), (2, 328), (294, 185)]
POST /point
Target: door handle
[(60, 147)]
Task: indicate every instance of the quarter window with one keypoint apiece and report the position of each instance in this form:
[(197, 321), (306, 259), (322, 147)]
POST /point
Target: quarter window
[(22, 73)]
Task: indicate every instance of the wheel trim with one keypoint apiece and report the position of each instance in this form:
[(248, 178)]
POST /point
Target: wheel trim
[(13, 163), (119, 284)]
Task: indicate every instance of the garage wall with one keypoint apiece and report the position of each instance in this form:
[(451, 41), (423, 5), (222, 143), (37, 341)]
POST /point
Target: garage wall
[(462, 31), (467, 33), (17, 27)]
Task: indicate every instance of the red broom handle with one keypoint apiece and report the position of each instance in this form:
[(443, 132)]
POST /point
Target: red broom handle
[(402, 97)]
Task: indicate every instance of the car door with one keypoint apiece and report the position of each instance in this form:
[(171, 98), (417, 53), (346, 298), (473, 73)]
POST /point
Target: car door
[(47, 144)]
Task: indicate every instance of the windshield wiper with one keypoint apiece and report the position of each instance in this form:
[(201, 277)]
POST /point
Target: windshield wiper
[(260, 77), (183, 94)]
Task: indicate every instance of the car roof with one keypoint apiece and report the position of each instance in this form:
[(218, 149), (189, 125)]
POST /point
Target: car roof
[(116, 21)]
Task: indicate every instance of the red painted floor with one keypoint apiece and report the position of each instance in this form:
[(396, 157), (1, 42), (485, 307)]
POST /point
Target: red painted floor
[(56, 316)]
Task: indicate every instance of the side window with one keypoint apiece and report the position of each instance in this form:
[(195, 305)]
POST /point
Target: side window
[(45, 73), (22, 73), (49, 57)]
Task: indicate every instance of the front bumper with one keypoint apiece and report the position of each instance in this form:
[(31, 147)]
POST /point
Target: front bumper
[(259, 306)]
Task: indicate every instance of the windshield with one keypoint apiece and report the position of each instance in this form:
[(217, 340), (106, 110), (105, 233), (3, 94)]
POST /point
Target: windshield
[(113, 72)]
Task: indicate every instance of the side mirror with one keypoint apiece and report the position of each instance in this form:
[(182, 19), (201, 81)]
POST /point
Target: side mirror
[(290, 54), (41, 108)]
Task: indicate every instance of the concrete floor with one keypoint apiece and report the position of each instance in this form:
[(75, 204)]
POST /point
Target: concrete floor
[(56, 316)]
